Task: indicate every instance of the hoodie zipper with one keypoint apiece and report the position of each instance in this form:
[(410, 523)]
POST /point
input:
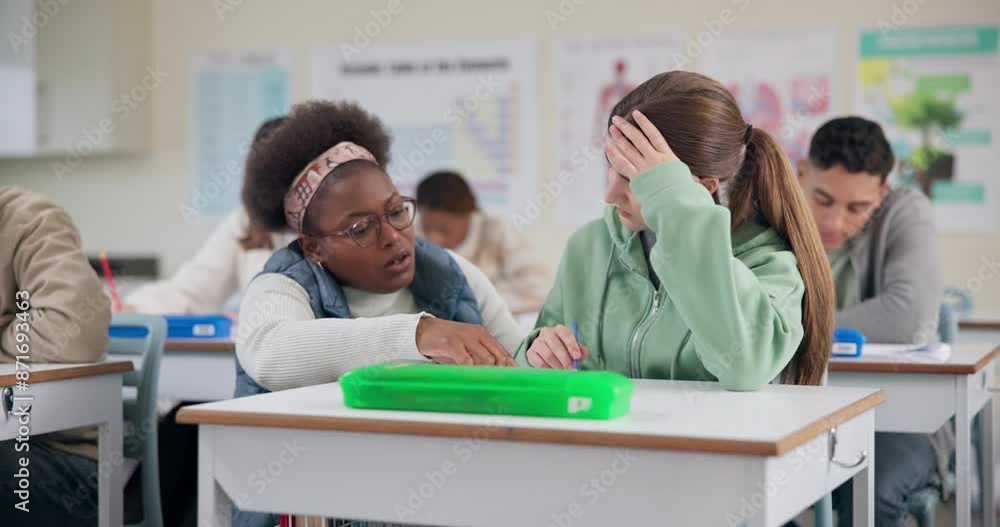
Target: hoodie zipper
[(632, 354)]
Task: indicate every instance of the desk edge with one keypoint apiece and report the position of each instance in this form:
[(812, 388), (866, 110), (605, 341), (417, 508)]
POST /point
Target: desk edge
[(82, 370), (915, 367), (778, 447), (172, 345), (979, 324), (808, 432)]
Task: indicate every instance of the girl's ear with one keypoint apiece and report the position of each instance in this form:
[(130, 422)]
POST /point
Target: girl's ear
[(311, 248), (710, 183)]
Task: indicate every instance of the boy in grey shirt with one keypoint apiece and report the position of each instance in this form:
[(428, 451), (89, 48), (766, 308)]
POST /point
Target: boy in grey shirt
[(881, 245)]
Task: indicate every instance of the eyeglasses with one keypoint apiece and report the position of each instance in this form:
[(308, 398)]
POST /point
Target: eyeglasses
[(368, 230)]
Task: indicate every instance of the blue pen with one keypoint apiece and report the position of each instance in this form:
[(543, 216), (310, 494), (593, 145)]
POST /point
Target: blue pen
[(576, 336)]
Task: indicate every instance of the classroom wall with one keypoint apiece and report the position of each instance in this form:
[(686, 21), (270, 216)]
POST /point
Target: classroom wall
[(129, 204)]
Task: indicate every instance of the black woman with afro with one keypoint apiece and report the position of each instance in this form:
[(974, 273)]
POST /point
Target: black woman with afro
[(356, 287)]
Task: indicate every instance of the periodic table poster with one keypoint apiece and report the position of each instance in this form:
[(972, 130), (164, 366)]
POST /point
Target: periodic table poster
[(472, 107)]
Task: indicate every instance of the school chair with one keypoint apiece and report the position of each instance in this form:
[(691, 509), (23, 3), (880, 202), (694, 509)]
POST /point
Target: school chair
[(924, 502), (143, 335)]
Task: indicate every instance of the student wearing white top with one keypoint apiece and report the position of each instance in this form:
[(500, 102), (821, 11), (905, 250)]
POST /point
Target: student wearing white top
[(224, 265), (357, 287), (451, 218), (233, 254)]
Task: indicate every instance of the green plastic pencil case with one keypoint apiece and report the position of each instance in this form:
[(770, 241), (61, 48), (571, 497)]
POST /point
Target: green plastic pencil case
[(488, 390)]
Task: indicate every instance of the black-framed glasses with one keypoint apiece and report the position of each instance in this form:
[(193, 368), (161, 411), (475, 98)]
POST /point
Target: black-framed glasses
[(367, 231)]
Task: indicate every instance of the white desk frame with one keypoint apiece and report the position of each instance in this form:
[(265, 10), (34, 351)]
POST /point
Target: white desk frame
[(320, 458), (196, 370), (72, 395), (922, 397)]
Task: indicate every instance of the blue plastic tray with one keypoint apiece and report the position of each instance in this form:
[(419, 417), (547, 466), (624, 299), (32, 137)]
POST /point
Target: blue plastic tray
[(847, 343), (198, 326), (183, 327)]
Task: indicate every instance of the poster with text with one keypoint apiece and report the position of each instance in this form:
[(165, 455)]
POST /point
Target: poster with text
[(790, 97), (934, 90), (233, 92), (594, 74), (471, 107)]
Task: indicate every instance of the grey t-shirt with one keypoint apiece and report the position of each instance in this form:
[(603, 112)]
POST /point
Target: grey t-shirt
[(845, 279)]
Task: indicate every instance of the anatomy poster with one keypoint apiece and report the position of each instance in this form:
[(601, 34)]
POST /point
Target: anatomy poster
[(594, 74), (790, 97)]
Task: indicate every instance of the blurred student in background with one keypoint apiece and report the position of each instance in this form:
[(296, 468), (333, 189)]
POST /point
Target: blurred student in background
[(880, 243), (51, 296), (233, 254), (450, 217)]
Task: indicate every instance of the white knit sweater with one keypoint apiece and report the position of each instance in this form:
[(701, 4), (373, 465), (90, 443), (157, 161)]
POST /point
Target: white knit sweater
[(282, 345)]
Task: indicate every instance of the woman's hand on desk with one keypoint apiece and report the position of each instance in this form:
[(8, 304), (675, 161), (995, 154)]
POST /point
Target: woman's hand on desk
[(556, 348), (447, 342)]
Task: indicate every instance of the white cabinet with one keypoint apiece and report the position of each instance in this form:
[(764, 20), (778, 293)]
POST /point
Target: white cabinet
[(93, 76), (17, 79)]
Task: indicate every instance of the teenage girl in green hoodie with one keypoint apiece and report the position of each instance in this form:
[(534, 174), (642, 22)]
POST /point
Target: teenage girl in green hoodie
[(672, 285)]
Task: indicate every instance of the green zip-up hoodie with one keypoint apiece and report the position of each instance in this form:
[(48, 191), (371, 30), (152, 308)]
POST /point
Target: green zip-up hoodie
[(729, 307)]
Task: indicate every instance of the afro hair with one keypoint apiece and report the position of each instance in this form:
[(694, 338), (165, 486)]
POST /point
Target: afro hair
[(267, 129), (312, 127)]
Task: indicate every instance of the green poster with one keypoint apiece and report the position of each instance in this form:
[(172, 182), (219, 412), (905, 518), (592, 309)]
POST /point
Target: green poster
[(934, 90)]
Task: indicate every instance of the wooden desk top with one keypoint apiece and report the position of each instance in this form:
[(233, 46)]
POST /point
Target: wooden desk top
[(54, 372), (666, 415), (965, 359), (199, 345)]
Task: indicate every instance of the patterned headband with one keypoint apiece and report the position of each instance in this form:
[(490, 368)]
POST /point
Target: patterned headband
[(306, 184)]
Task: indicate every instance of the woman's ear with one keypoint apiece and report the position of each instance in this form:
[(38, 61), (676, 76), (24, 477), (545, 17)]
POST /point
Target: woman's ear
[(710, 183), (311, 248)]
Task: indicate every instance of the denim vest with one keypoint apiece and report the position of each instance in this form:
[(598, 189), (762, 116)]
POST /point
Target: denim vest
[(439, 287)]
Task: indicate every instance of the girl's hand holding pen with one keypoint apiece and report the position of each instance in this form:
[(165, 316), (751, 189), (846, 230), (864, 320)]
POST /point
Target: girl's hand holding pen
[(556, 348)]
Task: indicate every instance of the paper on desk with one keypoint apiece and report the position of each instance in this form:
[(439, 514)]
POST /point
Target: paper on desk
[(908, 352)]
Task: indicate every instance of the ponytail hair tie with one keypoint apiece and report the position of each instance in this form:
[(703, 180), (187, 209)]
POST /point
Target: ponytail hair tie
[(746, 135)]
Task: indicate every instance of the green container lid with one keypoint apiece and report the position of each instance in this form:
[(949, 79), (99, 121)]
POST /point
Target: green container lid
[(488, 390)]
